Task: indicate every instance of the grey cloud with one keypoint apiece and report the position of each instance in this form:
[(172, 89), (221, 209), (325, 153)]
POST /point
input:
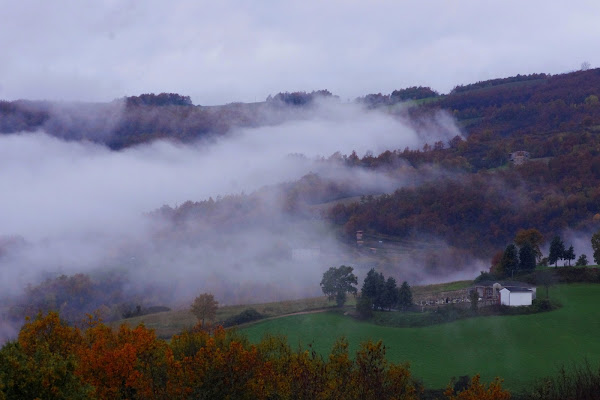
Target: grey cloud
[(227, 51), (80, 206)]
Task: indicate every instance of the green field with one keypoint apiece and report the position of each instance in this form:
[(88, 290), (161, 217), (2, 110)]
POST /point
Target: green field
[(169, 323), (516, 348)]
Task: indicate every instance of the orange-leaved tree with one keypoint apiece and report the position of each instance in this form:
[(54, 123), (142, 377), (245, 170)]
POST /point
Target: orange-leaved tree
[(479, 391)]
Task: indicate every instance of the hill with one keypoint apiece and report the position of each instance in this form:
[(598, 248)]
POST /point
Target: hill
[(517, 348)]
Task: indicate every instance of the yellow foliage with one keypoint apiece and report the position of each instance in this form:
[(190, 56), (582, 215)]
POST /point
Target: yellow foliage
[(478, 391)]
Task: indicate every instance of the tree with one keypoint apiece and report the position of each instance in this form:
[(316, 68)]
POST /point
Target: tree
[(533, 237), (569, 254), (557, 250), (405, 298), (582, 261), (389, 297), (496, 265), (373, 287), (546, 278), (337, 282), (596, 247), (474, 297), (479, 391), (526, 257), (510, 259), (364, 307), (205, 307)]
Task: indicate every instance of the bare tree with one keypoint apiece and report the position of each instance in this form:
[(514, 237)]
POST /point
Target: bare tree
[(585, 66), (205, 307)]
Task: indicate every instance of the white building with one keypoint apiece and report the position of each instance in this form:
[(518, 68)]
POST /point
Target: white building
[(516, 296)]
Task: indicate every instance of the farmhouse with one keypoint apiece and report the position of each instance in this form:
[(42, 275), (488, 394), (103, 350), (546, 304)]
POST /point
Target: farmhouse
[(509, 293), (519, 157)]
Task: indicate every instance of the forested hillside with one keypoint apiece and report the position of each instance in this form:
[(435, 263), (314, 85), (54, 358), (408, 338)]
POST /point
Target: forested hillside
[(442, 208), (477, 199)]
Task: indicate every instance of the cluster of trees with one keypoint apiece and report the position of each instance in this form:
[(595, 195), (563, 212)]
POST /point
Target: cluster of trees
[(52, 360), (558, 251), (298, 98), (384, 294), (397, 96), (162, 99), (75, 296), (521, 259), (499, 81), (482, 210), (524, 254), (509, 107)]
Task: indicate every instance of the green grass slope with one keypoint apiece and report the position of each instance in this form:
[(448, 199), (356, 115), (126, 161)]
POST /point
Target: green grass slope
[(517, 348)]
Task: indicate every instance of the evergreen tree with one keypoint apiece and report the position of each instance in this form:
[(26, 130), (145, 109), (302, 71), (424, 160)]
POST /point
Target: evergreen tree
[(569, 254), (526, 257), (389, 296), (373, 287), (370, 287), (405, 299), (510, 260), (557, 250)]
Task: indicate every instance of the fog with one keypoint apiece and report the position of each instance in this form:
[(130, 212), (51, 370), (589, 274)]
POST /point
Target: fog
[(82, 208)]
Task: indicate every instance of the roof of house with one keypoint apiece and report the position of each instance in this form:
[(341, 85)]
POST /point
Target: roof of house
[(516, 289), (504, 284)]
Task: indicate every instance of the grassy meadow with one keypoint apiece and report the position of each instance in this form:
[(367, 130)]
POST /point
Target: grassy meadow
[(169, 323), (517, 348)]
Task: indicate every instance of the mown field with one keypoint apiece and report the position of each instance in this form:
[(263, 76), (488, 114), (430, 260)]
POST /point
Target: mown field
[(517, 348), (169, 323)]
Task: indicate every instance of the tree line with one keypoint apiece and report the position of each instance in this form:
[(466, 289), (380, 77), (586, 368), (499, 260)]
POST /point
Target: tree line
[(377, 293), (52, 360)]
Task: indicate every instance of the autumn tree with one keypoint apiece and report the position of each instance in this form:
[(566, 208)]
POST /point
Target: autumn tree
[(42, 363), (531, 236), (479, 391), (337, 282), (496, 265), (205, 307)]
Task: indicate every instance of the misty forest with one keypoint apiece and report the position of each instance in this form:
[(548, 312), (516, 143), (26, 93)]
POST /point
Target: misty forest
[(116, 211)]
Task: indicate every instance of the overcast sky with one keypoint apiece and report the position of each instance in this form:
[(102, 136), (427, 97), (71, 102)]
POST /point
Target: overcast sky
[(234, 50)]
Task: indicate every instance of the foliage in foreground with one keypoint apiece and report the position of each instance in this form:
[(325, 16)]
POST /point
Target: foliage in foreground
[(52, 360), (580, 382)]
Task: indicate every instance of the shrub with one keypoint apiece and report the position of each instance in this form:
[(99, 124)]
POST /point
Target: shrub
[(248, 315)]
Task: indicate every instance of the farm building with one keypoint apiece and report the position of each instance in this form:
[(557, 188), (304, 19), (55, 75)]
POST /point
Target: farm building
[(490, 292), (519, 157), (516, 296)]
